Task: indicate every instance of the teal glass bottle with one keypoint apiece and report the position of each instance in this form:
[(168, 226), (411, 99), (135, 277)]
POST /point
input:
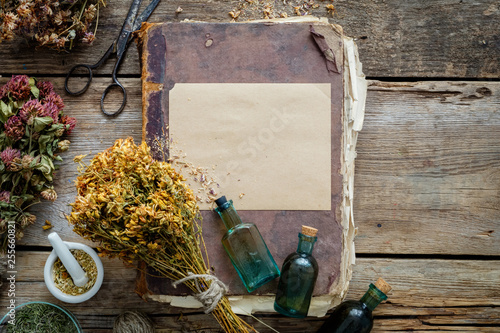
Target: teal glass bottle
[(298, 277), (246, 248), (357, 316)]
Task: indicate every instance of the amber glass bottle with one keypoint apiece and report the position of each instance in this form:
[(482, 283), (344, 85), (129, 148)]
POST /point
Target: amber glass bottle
[(356, 316)]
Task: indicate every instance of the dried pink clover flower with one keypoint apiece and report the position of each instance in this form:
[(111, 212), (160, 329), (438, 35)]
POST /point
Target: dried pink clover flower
[(88, 38), (49, 109), (9, 154), (66, 120), (31, 176), (45, 87), (18, 87), (32, 108), (5, 196), (54, 98), (14, 128)]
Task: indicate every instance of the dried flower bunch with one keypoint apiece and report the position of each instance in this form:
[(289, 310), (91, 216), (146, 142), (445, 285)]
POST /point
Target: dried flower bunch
[(138, 208), (32, 126), (54, 24)]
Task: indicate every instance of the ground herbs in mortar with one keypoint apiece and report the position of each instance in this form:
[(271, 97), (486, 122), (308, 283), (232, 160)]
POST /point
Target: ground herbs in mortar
[(41, 318), (63, 280)]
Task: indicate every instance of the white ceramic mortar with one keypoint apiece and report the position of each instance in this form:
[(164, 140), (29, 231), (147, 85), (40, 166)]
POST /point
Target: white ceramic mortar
[(49, 275)]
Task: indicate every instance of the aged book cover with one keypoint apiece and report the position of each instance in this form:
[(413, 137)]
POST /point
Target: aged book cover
[(269, 113)]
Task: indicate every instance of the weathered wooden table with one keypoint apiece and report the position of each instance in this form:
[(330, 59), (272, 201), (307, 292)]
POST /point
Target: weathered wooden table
[(427, 189)]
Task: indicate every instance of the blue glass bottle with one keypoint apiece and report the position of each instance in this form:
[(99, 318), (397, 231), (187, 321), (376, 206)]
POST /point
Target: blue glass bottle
[(246, 248), (298, 277), (356, 316)]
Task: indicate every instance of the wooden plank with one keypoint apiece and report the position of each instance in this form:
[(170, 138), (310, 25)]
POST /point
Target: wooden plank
[(430, 285), (434, 287), (428, 169), (396, 38), (427, 172), (442, 38), (171, 325), (420, 325), (426, 294)]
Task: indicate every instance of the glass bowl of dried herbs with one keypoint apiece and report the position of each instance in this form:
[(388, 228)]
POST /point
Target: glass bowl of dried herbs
[(40, 317), (60, 283)]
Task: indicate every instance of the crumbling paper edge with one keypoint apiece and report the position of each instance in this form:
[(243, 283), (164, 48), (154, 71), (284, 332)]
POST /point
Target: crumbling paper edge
[(293, 19), (248, 304), (355, 89), (142, 38)]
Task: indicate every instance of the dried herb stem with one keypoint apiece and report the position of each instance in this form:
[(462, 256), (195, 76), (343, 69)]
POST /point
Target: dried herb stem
[(138, 208)]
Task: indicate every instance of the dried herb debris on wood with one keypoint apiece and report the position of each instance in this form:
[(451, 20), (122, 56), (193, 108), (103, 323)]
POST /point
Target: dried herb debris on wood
[(138, 208)]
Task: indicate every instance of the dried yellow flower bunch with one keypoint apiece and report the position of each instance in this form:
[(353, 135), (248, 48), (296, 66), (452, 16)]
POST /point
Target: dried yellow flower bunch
[(138, 208), (131, 203)]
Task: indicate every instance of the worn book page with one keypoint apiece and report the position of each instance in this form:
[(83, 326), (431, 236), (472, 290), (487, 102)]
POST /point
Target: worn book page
[(267, 145)]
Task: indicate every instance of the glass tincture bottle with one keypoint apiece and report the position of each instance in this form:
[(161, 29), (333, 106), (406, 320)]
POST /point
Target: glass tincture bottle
[(356, 316), (298, 277), (246, 248)]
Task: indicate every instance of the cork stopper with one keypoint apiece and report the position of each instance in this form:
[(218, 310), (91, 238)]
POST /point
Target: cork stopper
[(383, 286), (309, 231)]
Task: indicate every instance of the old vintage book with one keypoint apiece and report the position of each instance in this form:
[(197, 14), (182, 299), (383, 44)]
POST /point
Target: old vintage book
[(269, 112)]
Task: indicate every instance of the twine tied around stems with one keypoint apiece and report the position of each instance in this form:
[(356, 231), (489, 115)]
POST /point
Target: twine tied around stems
[(212, 295)]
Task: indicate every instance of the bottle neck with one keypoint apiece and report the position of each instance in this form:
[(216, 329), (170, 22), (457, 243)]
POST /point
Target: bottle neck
[(228, 215), (306, 244), (373, 297)]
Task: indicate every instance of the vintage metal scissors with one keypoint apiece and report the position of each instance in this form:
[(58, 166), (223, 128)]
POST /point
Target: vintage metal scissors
[(118, 48)]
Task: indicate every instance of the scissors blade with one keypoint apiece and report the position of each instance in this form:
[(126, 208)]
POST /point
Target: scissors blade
[(131, 16), (145, 14), (127, 29)]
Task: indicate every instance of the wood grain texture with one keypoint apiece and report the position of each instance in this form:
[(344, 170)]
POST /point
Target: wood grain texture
[(427, 295), (442, 38), (428, 169), (427, 182), (427, 172)]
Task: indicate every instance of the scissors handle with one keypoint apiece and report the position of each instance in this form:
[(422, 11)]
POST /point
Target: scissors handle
[(108, 89), (70, 74), (89, 69)]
